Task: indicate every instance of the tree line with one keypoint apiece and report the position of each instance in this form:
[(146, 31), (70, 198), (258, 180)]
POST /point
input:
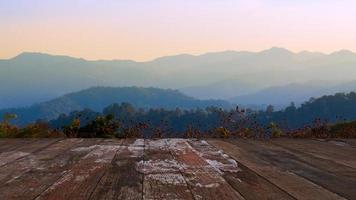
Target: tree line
[(314, 118)]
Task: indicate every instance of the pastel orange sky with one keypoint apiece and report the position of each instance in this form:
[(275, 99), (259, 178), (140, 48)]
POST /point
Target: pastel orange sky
[(146, 29)]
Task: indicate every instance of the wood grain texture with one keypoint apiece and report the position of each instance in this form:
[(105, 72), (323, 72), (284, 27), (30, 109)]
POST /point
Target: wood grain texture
[(202, 175), (30, 176), (177, 169), (23, 150), (244, 180), (162, 175), (10, 144), (334, 177), (122, 180), (80, 180), (252, 156), (333, 150)]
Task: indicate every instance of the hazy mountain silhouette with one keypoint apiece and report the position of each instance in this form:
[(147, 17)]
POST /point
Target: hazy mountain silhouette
[(97, 98), (35, 77), (281, 96)]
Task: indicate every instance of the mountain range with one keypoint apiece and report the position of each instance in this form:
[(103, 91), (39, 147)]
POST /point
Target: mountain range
[(281, 96), (238, 76)]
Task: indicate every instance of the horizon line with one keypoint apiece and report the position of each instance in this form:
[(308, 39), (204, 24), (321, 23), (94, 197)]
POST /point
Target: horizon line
[(182, 54)]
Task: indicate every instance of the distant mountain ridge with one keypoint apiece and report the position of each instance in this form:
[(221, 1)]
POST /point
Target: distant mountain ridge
[(281, 96), (97, 98), (34, 77)]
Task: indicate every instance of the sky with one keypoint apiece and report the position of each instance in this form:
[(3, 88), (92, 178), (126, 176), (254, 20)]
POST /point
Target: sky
[(146, 29)]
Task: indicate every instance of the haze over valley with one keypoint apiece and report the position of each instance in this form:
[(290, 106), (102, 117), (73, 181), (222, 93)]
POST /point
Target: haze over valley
[(277, 75)]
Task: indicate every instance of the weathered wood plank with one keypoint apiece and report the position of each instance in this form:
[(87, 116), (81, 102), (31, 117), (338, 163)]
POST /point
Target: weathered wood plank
[(27, 163), (25, 150), (81, 180), (122, 179), (177, 169), (163, 179), (202, 176), (30, 176), (351, 142), (249, 184), (329, 174), (336, 151), (325, 162), (250, 155), (10, 144)]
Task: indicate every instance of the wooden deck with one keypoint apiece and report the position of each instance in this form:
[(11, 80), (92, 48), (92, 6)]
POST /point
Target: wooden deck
[(177, 169)]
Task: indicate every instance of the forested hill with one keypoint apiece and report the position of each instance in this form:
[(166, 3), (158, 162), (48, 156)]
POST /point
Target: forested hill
[(334, 108), (330, 108), (97, 98)]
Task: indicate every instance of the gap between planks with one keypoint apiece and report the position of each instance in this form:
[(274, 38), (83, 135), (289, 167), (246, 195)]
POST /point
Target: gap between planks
[(249, 152)]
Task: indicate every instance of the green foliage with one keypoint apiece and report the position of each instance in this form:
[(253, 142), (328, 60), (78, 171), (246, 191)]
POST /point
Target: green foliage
[(36, 130), (244, 133), (221, 132), (125, 121), (324, 130), (9, 116), (343, 130), (331, 108), (102, 127), (136, 131), (6, 129), (275, 130), (72, 130), (153, 122), (210, 122), (193, 133)]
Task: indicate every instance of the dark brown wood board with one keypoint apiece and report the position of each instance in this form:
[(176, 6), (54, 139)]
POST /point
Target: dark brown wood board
[(177, 169)]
